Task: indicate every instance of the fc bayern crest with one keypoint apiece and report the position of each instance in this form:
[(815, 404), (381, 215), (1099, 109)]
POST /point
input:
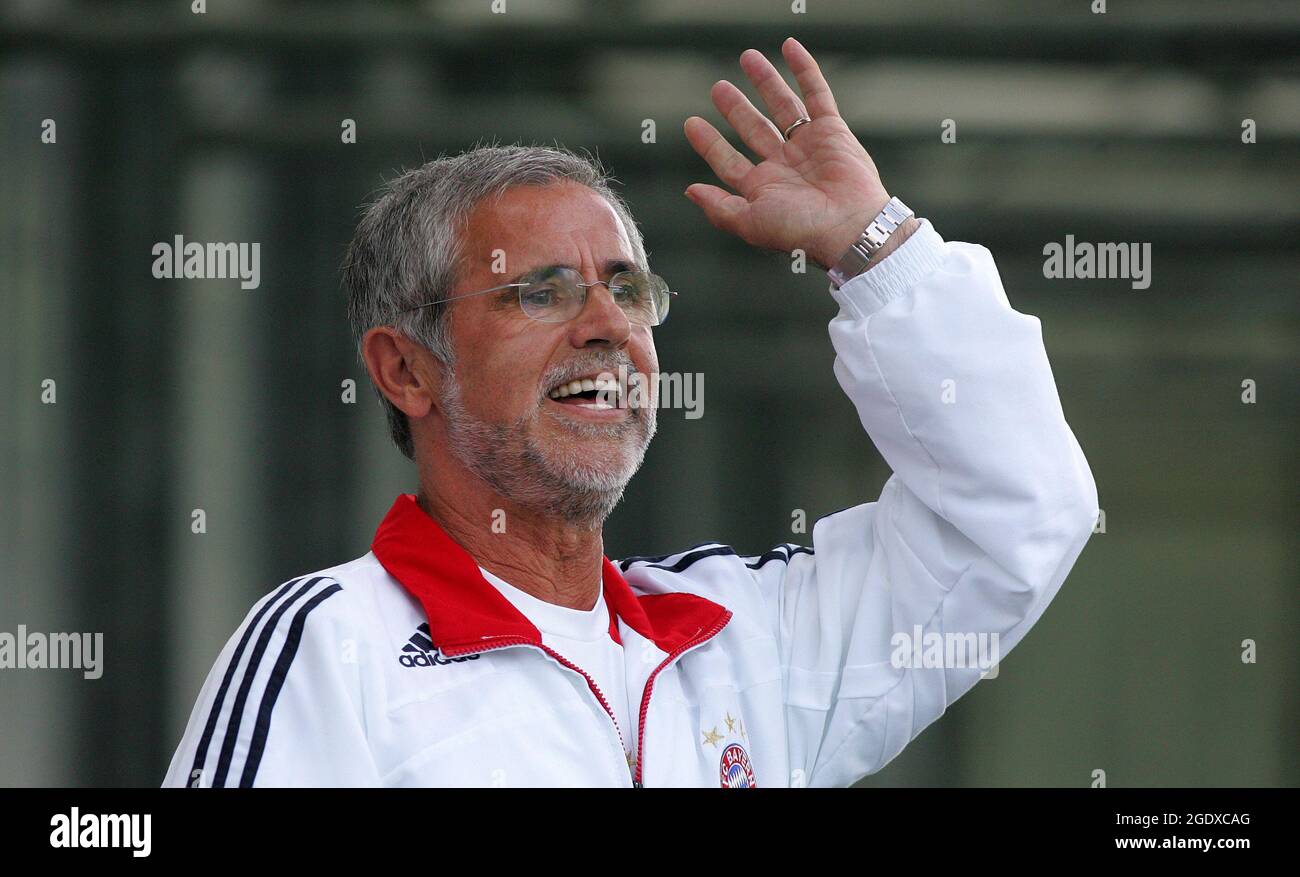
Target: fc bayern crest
[(735, 769)]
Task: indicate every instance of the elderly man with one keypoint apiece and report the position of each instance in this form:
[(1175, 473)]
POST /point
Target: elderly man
[(486, 639)]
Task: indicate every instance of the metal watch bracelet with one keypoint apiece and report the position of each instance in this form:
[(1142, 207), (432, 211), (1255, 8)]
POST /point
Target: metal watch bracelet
[(855, 258)]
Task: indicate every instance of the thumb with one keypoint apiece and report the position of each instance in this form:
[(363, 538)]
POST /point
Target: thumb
[(723, 209)]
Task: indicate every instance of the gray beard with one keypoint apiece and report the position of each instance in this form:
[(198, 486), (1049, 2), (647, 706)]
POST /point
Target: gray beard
[(562, 485)]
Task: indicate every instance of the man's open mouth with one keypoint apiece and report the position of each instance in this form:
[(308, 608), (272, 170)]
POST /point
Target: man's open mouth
[(598, 391)]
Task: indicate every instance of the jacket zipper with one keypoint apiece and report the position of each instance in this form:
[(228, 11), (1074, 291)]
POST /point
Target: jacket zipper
[(649, 687), (645, 698), (591, 683), (595, 689)]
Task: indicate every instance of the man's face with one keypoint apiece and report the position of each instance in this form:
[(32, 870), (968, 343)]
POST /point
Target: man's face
[(567, 457)]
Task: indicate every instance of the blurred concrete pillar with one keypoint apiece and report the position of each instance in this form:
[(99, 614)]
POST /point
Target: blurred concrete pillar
[(37, 532)]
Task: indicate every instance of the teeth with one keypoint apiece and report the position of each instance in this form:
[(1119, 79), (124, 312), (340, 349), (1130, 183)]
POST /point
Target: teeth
[(584, 385)]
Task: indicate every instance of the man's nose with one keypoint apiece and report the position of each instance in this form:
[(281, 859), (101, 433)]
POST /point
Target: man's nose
[(601, 322)]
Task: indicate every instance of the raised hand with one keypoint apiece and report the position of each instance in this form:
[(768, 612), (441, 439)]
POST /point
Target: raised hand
[(815, 192)]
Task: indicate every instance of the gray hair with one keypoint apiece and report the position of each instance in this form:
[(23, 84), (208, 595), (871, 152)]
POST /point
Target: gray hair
[(409, 242)]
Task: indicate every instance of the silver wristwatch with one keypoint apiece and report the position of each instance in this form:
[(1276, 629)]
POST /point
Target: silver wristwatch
[(855, 258)]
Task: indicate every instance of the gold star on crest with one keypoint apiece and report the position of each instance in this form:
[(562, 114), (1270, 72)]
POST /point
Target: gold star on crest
[(712, 737), (731, 723)]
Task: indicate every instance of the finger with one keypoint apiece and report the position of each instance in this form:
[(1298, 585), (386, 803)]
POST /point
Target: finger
[(754, 128), (724, 210), (817, 95), (783, 105), (730, 166)]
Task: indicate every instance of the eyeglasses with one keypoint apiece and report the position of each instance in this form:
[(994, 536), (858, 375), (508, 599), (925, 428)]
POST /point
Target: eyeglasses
[(557, 295)]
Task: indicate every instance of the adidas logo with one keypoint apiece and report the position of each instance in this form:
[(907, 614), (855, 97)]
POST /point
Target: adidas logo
[(421, 652)]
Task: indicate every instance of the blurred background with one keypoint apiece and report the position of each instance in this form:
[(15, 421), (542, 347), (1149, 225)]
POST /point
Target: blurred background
[(178, 395)]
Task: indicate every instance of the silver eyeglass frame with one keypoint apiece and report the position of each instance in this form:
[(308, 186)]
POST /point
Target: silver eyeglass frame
[(522, 284)]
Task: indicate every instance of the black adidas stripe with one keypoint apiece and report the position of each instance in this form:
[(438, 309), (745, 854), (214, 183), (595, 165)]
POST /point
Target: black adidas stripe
[(780, 552), (628, 561), (241, 697), (687, 559), (273, 685), (201, 754)]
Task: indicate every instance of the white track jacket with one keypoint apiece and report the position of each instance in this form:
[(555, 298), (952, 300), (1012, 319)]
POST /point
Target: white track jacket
[(794, 667)]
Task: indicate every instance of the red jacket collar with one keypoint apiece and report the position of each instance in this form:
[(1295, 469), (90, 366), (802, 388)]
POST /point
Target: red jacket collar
[(466, 613)]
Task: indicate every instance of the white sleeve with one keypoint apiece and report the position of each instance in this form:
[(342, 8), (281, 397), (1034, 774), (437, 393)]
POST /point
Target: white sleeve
[(282, 705), (990, 503)]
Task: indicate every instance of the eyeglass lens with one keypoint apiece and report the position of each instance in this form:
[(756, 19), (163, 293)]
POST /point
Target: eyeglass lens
[(556, 296)]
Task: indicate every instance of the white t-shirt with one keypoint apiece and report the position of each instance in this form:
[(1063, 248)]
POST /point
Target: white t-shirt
[(582, 637)]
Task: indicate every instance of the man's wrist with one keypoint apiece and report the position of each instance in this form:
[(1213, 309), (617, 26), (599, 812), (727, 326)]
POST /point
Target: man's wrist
[(923, 252), (829, 248), (889, 228), (901, 234)]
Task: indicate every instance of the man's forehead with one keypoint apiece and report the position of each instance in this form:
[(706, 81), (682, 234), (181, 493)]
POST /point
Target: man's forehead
[(558, 223)]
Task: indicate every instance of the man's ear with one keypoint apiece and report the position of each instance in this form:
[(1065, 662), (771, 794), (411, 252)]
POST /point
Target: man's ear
[(408, 375)]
